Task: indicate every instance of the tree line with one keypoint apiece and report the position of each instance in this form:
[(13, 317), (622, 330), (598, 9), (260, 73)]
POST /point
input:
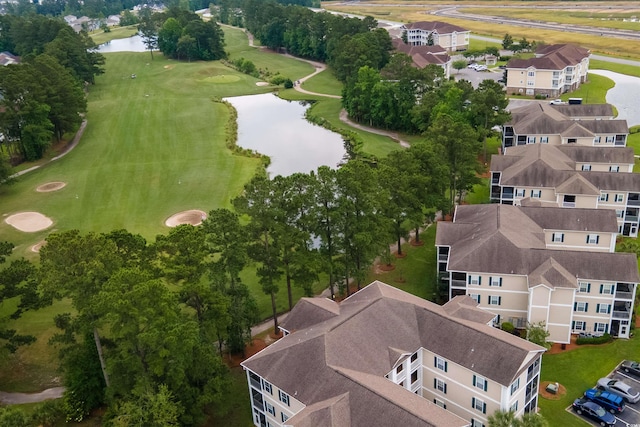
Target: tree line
[(42, 96)]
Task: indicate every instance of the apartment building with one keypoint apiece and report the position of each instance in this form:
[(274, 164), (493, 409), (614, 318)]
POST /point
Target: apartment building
[(435, 33), (554, 70), (423, 56), (384, 357), (569, 177), (583, 124), (529, 265)]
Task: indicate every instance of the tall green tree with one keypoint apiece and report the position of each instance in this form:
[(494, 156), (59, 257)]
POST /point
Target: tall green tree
[(487, 109), (148, 28)]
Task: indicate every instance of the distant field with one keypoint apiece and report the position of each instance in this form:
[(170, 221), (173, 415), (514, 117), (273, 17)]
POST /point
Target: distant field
[(99, 36)]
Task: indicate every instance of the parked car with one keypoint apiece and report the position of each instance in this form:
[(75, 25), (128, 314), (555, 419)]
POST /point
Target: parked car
[(630, 367), (482, 68), (557, 102), (609, 400), (584, 406), (629, 393), (473, 65)]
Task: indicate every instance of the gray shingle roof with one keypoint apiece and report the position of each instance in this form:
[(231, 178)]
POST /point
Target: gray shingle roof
[(596, 220), (554, 57), (583, 154), (351, 353), (489, 246), (440, 27)]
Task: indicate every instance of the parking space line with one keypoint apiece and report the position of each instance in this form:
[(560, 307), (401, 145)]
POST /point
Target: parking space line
[(627, 376), (622, 421), (633, 409)]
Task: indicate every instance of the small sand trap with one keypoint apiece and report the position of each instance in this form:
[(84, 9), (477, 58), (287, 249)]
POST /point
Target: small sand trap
[(36, 248), (193, 217), (262, 84), (29, 221), (51, 186)]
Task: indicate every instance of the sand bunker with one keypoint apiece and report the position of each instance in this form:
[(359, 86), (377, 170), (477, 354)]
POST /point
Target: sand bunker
[(51, 186), (29, 221), (262, 84), (193, 217)]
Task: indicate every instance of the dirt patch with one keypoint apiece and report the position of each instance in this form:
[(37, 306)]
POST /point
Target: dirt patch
[(255, 346), (550, 396), (192, 217), (36, 248), (51, 186), (29, 222)]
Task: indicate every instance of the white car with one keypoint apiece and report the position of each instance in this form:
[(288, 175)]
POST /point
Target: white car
[(557, 102), (473, 65), (482, 68), (629, 393)]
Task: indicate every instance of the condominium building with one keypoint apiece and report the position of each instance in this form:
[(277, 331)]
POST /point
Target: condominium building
[(569, 177), (554, 70), (435, 33), (582, 124), (423, 56), (532, 265), (383, 357)]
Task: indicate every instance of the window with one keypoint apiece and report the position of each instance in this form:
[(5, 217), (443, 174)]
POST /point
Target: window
[(284, 397), (584, 287), (514, 407), (580, 306), (619, 198), (495, 281), (604, 197), (536, 194), (475, 297), (476, 423), (480, 382), (557, 237), (593, 239), (601, 327), (614, 168), (578, 325), (531, 73), (520, 192), (603, 308), (609, 139), (478, 405), (267, 387), (283, 417), (475, 280), (531, 83), (440, 363), (440, 403), (494, 300), (606, 288), (414, 376), (269, 408), (399, 368), (515, 386), (586, 167), (531, 140), (596, 140), (544, 140), (414, 357), (440, 385)]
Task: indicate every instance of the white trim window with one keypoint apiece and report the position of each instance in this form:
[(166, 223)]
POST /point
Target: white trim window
[(601, 327), (515, 386), (474, 279), (520, 192), (607, 289), (514, 407), (270, 408), (593, 239), (440, 403), (584, 287), (440, 385), (586, 168), (619, 214), (475, 297), (544, 140), (557, 237), (604, 197), (266, 386), (597, 139), (284, 417), (440, 363), (579, 325), (603, 308), (619, 198), (494, 300), (609, 139), (284, 397), (531, 140), (495, 281), (478, 405), (580, 306), (536, 194), (476, 423), (614, 168), (479, 382)]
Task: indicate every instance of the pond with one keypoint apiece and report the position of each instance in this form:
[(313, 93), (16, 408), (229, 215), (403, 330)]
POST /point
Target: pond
[(624, 95), (277, 128), (130, 44)]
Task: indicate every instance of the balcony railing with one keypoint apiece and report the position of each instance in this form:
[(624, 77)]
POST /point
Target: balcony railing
[(459, 283), (507, 194), (633, 202), (621, 314), (443, 257), (568, 204), (624, 295), (631, 218)]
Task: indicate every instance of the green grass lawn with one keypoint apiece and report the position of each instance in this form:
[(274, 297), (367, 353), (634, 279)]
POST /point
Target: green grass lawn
[(630, 70), (99, 36), (324, 82), (594, 91)]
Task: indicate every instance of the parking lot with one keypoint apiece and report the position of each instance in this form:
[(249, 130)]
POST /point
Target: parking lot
[(630, 417), (475, 77)]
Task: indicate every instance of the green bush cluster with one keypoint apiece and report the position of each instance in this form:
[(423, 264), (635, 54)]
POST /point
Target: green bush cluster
[(594, 340), (508, 327)]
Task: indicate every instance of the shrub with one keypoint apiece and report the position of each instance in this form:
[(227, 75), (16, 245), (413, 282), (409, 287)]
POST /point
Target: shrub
[(508, 327), (594, 340), (504, 58), (288, 84)]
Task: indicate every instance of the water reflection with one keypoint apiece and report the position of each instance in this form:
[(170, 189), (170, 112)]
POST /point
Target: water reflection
[(130, 44), (624, 95), (278, 129)]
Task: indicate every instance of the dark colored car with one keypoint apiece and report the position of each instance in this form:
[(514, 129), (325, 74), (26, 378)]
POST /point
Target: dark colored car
[(589, 409), (610, 401), (630, 367)]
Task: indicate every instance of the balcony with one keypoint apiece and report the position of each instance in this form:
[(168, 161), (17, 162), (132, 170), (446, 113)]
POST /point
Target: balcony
[(631, 218), (621, 314), (568, 204), (459, 283), (443, 257), (624, 295), (633, 202), (507, 194)]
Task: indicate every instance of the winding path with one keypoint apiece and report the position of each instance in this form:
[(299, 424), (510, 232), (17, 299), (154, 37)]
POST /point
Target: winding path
[(20, 398)]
